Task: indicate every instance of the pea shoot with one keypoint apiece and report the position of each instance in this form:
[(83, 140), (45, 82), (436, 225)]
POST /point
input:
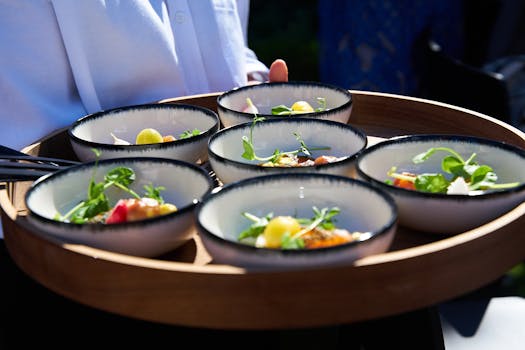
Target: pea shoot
[(97, 201), (477, 177), (249, 149)]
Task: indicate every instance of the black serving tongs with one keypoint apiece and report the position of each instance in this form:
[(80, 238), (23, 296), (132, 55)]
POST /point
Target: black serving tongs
[(19, 166)]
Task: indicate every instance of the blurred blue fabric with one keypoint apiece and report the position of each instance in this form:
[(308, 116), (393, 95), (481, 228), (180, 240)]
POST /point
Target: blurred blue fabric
[(368, 45)]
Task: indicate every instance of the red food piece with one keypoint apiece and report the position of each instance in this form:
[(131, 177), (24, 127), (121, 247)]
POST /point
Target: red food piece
[(119, 213)]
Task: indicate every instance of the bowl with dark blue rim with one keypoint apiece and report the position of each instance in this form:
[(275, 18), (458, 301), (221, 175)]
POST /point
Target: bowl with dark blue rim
[(276, 99), (177, 131), (252, 223), (275, 146), (446, 184), (140, 206)]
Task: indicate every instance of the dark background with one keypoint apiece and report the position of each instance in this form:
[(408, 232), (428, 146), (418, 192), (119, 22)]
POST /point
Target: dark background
[(287, 30)]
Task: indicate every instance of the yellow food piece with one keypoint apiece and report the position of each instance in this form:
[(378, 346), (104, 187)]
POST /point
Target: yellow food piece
[(145, 208), (276, 229), (302, 107), (148, 135), (167, 208)]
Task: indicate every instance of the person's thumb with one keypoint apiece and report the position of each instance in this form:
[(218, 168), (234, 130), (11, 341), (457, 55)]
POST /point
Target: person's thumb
[(278, 71)]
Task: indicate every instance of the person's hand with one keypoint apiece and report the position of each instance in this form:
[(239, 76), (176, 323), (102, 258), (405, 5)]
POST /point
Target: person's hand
[(278, 71)]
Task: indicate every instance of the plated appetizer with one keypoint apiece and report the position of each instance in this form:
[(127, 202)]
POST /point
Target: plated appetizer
[(300, 157), (446, 184), (151, 135), (284, 145), (287, 232), (139, 206), (320, 220), (145, 131), (459, 176), (96, 208)]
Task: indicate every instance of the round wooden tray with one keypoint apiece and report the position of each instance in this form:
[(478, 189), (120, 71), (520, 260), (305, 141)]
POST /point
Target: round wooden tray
[(186, 288)]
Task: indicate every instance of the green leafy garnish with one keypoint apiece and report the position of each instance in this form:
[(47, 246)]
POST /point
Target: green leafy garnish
[(189, 133), (291, 242), (477, 177), (258, 226), (249, 150), (323, 218), (97, 202), (285, 110), (282, 110), (154, 192)]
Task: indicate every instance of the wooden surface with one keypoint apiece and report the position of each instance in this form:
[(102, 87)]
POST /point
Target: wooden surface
[(186, 288)]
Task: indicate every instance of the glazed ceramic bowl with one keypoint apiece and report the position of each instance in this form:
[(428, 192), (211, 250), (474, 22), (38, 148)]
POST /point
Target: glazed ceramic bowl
[(231, 105), (445, 213), (363, 208), (226, 147), (56, 194), (95, 131)]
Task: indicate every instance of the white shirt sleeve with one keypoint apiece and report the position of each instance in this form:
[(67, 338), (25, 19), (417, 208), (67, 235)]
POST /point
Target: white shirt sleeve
[(67, 58), (63, 59)]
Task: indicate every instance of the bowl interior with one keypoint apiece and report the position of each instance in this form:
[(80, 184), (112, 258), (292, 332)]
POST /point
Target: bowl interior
[(61, 191), (363, 208), (508, 162), (268, 95), (125, 123), (343, 140)]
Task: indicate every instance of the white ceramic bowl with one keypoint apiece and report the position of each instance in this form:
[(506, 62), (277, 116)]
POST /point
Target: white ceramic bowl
[(231, 104), (440, 212), (363, 207), (94, 131), (225, 148), (185, 184)]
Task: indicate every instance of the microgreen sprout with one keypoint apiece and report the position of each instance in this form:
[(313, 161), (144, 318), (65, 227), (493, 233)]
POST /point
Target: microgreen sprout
[(323, 218), (257, 227), (249, 149), (189, 133), (97, 201)]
